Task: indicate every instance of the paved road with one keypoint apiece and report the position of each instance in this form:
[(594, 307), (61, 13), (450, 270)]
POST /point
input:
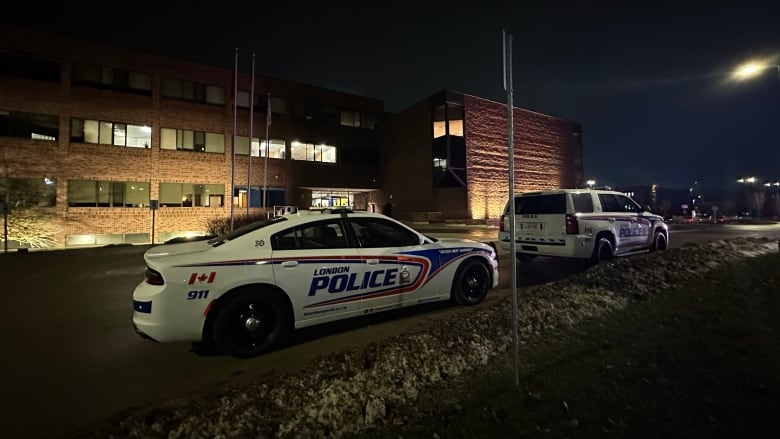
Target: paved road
[(71, 357)]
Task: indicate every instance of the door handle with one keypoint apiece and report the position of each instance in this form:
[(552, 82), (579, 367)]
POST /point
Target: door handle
[(612, 220), (372, 261), (289, 264)]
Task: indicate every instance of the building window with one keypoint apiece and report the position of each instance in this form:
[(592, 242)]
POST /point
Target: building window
[(29, 125), (191, 195), (188, 140), (191, 91), (29, 192), (313, 153), (94, 193), (94, 75), (358, 119), (276, 148), (332, 199), (449, 121), (25, 66), (110, 133), (274, 196), (242, 99)]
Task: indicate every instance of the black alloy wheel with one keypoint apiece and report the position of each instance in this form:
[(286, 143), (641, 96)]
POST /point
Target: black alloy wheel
[(250, 324), (471, 283)]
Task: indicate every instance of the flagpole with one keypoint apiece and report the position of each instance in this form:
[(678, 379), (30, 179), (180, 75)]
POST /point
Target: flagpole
[(251, 125), (233, 165), (267, 141)]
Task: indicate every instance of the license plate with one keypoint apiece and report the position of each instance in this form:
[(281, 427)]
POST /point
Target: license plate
[(531, 226)]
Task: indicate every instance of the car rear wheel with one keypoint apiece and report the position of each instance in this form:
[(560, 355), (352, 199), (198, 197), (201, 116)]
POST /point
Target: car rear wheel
[(603, 251), (471, 283), (251, 323)]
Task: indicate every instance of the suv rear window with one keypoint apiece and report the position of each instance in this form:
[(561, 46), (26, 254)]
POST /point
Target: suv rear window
[(540, 204)]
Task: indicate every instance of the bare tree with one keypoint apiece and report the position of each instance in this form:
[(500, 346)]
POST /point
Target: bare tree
[(31, 220)]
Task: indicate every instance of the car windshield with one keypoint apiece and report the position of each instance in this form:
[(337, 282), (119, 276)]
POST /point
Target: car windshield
[(243, 230)]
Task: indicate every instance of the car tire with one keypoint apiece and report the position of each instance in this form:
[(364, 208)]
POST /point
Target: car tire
[(471, 283), (603, 250), (659, 241), (251, 323)]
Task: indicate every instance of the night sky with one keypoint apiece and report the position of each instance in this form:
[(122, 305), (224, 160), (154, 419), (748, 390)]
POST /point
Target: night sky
[(648, 81)]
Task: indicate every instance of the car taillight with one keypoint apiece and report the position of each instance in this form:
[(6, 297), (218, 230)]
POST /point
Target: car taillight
[(572, 224), (152, 277)]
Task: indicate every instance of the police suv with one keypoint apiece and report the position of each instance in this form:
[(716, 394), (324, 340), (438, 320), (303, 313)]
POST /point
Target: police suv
[(581, 223), (244, 291)]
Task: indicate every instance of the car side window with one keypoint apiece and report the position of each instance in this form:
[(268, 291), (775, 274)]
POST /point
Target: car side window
[(373, 233), (609, 203), (627, 204), (320, 235), (583, 203)]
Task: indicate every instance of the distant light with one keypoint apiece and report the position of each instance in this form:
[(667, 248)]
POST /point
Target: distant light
[(749, 70), (48, 181), (752, 69)]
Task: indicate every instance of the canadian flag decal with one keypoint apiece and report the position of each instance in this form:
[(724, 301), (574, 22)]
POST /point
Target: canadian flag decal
[(202, 277)]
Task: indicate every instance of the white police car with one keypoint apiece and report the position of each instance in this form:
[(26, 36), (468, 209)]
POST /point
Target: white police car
[(246, 290)]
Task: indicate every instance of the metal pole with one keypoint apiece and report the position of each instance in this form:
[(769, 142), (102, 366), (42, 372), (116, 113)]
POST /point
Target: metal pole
[(233, 166), (251, 125), (512, 239), (267, 141), (5, 229), (153, 212)]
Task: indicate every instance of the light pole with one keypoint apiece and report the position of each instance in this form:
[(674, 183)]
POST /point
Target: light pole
[(748, 183), (591, 183)]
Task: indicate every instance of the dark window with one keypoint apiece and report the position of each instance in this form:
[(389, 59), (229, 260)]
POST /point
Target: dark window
[(23, 66), (319, 235), (609, 203), (29, 125), (583, 203), (375, 233), (540, 204), (28, 192), (105, 77), (92, 193)]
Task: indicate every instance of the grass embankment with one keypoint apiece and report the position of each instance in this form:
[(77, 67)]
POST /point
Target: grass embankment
[(698, 361)]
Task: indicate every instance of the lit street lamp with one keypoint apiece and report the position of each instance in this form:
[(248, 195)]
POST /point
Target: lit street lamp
[(591, 183), (752, 69), (750, 191)]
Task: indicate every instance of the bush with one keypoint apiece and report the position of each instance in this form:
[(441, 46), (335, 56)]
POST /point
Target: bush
[(220, 226)]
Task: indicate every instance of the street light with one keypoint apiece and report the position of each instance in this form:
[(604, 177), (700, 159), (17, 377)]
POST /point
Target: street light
[(752, 69), (750, 193), (590, 183)]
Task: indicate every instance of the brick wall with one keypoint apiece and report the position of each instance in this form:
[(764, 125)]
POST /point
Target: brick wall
[(547, 154)]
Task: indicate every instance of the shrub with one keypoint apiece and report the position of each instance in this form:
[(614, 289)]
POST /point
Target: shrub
[(220, 226)]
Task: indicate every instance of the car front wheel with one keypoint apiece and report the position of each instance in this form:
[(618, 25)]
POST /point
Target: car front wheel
[(659, 241), (471, 283), (251, 323)]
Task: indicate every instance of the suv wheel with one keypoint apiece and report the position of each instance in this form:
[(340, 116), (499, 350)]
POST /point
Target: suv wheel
[(603, 251), (659, 241)]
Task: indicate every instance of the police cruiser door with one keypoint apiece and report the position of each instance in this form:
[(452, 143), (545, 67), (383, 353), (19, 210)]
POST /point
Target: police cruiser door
[(630, 229), (318, 268), (397, 266)]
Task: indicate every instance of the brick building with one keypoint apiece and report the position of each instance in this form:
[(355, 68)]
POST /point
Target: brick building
[(93, 135)]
